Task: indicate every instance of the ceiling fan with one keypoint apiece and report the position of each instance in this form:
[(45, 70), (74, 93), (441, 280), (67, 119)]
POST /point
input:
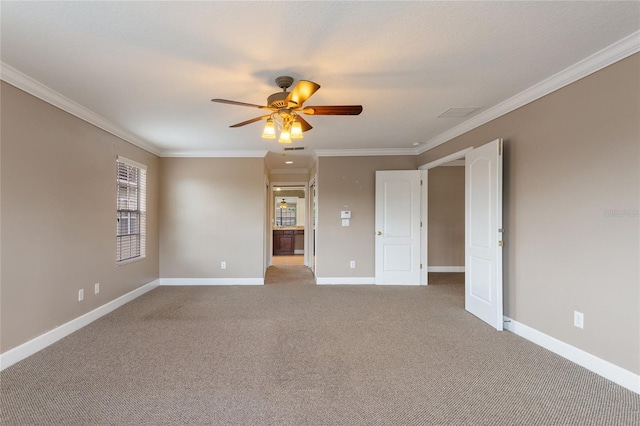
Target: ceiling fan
[(285, 108)]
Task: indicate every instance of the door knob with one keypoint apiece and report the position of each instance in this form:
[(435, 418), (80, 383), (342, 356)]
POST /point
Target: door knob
[(379, 233)]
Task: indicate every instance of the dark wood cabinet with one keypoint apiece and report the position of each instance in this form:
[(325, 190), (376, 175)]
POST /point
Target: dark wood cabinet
[(284, 240)]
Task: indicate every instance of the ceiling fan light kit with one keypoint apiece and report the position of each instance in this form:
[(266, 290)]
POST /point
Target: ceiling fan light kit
[(285, 106), (269, 131), (285, 136), (296, 129)]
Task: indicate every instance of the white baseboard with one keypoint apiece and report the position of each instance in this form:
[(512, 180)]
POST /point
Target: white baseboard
[(36, 344), (345, 280), (298, 252), (211, 281), (445, 268), (619, 375)]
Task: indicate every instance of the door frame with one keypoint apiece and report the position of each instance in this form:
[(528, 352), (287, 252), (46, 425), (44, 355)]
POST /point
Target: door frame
[(272, 218), (268, 234), (311, 217), (425, 204)]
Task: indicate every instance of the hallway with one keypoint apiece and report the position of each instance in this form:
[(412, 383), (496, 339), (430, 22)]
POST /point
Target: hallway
[(294, 259)]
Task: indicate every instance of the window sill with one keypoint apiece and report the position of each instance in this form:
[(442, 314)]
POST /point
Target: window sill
[(132, 260)]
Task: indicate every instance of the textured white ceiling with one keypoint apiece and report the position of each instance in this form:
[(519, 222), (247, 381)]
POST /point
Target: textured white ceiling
[(152, 67)]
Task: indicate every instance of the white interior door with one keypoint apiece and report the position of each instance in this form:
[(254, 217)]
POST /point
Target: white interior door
[(424, 226), (483, 217), (397, 249), (312, 218), (267, 227)]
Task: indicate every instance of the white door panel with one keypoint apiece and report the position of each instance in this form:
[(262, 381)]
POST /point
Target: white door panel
[(397, 257), (483, 211), (398, 227)]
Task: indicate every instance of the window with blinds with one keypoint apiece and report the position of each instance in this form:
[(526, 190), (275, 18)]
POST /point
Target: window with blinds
[(286, 216), (131, 184)]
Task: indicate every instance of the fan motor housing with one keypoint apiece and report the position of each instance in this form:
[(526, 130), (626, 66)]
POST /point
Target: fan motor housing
[(277, 100)]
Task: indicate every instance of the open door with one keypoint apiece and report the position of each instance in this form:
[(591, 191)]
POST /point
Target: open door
[(397, 247), (483, 234)]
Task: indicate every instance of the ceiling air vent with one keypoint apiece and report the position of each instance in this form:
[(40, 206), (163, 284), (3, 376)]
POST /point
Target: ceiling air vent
[(458, 112), (294, 148)]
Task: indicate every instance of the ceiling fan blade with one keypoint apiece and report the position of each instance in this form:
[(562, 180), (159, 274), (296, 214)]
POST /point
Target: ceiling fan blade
[(301, 92), (333, 110), (226, 101), (253, 120), (305, 125)]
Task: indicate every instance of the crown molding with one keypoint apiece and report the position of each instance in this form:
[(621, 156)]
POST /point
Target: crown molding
[(257, 153), (601, 59), (33, 87), (364, 152)]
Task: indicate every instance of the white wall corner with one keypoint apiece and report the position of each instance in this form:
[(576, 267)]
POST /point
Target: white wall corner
[(36, 344), (616, 374)]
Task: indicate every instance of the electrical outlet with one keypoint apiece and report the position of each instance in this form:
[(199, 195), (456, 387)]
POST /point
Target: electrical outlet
[(96, 288), (352, 264), (223, 265), (80, 295), (578, 319)]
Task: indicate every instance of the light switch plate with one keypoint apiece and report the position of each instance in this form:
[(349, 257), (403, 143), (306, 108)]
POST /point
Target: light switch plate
[(345, 222), (578, 319)]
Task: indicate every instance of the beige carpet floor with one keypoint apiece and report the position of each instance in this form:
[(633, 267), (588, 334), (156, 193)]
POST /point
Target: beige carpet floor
[(293, 353)]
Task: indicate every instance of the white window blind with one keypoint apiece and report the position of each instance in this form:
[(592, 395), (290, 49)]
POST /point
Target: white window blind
[(131, 207)]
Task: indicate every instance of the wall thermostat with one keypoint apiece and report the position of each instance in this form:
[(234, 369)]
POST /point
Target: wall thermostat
[(345, 214)]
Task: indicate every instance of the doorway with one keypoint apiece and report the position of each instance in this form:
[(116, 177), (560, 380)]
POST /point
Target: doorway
[(483, 229), (289, 227), (436, 262), (445, 222)]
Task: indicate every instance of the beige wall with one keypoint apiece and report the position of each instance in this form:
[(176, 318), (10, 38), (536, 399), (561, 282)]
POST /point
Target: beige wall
[(58, 218), (288, 193), (348, 183), (570, 157), (212, 210), (446, 216)]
